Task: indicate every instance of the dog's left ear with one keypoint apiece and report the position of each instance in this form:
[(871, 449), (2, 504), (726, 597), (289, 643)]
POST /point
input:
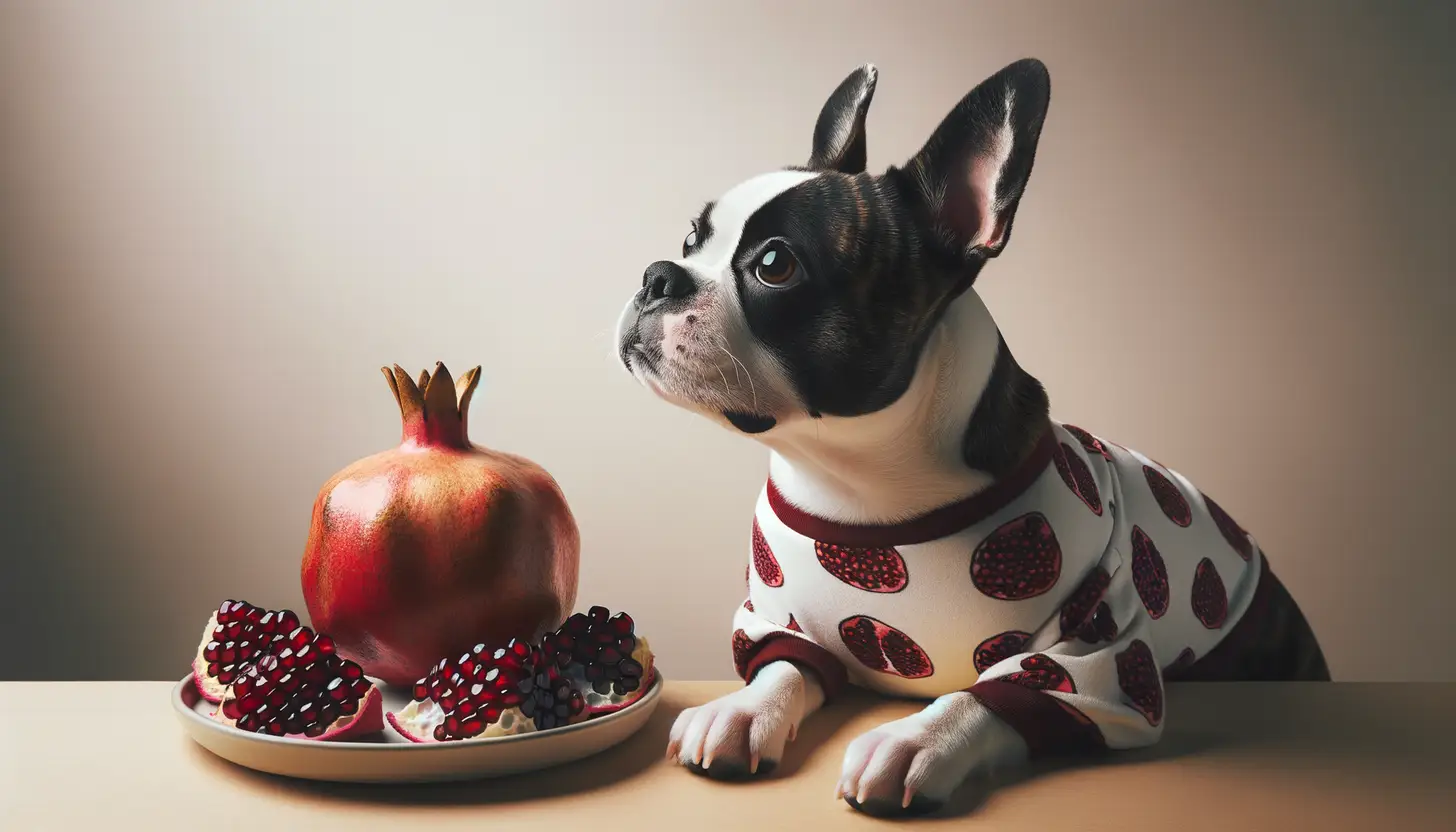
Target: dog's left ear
[(839, 134), (972, 172)]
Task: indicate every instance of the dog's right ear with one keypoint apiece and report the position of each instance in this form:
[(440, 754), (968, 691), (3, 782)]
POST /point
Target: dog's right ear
[(972, 172), (839, 134)]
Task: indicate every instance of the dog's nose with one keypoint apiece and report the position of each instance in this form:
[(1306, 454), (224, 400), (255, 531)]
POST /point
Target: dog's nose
[(666, 279)]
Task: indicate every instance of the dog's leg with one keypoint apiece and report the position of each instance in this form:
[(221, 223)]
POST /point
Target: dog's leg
[(744, 733), (1092, 688)]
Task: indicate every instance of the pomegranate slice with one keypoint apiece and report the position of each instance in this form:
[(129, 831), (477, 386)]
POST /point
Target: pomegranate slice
[(489, 693), (998, 648), (1078, 477), (872, 570), (1138, 677), (1149, 574), (603, 657), (1230, 529), (1089, 442), (235, 635), (1040, 672), (1170, 499), (1183, 661), (300, 687), (1101, 627), (1021, 559), (1079, 609), (764, 561), (881, 647), (1210, 599), (742, 646)]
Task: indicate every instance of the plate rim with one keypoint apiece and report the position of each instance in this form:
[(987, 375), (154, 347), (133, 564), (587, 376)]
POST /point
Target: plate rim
[(186, 712)]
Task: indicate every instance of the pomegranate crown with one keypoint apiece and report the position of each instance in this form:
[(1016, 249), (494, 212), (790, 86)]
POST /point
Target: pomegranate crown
[(434, 409)]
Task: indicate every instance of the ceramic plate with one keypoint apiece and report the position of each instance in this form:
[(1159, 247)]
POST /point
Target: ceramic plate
[(390, 758)]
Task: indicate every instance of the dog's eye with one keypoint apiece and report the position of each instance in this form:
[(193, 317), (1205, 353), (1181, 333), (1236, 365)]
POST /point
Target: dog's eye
[(776, 266), (690, 240)]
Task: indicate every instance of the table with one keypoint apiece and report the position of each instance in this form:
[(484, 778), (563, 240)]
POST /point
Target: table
[(1288, 757)]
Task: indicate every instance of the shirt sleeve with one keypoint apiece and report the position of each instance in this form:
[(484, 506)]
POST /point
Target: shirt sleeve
[(1098, 686), (758, 642)]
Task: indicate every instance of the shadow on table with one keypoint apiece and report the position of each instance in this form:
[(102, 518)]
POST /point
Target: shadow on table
[(623, 762), (1250, 723), (1275, 724)]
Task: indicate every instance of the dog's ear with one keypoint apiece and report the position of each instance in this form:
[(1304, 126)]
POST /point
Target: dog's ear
[(839, 134), (973, 170)]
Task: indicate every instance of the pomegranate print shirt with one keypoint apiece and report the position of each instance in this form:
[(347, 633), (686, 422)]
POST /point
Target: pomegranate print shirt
[(1058, 597)]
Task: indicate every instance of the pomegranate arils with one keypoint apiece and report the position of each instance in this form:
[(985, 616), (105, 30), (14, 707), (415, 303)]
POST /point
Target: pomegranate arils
[(239, 633), (293, 686), (475, 691), (598, 646)]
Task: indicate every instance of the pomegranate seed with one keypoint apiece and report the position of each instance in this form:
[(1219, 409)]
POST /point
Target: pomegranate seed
[(299, 637), (291, 684)]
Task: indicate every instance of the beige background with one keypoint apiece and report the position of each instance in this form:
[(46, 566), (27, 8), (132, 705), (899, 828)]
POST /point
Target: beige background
[(216, 223)]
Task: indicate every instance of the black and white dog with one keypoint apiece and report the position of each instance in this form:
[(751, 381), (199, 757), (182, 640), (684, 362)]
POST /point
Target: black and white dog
[(928, 530)]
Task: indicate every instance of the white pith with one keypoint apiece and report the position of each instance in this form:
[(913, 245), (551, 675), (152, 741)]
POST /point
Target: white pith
[(420, 718)]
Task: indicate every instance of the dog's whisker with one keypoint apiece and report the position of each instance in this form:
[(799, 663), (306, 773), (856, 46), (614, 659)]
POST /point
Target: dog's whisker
[(751, 387)]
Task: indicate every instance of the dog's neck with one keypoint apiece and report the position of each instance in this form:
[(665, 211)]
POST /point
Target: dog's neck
[(905, 459)]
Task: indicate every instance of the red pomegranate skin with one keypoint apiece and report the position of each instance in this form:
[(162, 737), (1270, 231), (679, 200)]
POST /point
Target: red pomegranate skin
[(421, 551)]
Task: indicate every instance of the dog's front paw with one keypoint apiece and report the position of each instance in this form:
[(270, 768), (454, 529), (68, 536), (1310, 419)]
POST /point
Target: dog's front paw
[(743, 733), (912, 765)]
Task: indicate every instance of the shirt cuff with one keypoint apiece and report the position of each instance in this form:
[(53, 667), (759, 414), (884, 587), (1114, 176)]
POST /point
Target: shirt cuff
[(777, 647), (1047, 724)]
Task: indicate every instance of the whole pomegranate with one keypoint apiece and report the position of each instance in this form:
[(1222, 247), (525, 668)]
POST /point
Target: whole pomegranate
[(424, 550)]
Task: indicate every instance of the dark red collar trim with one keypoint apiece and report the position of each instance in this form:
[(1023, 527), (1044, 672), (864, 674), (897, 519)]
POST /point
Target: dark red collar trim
[(933, 525)]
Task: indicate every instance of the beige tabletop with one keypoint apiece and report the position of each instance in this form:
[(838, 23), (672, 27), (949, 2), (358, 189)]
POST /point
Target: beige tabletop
[(82, 755)]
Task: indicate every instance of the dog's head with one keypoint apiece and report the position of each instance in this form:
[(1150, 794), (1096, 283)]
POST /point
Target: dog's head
[(810, 291)]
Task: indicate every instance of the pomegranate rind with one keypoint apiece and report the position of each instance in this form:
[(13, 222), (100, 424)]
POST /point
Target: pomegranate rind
[(208, 688), (369, 719)]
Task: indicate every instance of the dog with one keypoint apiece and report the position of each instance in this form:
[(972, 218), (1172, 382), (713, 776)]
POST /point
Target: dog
[(928, 530)]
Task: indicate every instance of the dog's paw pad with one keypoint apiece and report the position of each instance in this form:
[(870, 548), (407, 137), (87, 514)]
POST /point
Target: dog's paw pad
[(732, 771), (880, 807)]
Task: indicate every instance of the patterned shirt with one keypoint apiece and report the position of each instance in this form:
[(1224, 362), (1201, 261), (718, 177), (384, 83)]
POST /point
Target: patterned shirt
[(1059, 596)]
